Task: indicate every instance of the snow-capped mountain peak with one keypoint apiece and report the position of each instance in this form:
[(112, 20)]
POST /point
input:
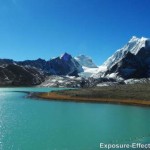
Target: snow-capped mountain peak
[(134, 38), (85, 61), (134, 45)]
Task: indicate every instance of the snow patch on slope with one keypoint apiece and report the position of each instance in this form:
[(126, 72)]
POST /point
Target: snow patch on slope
[(99, 72), (88, 72)]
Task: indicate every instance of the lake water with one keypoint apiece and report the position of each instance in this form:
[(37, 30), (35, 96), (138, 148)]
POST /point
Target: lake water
[(30, 124)]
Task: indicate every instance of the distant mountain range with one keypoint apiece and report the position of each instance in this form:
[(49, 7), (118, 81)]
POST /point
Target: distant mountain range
[(131, 61), (63, 65), (33, 72)]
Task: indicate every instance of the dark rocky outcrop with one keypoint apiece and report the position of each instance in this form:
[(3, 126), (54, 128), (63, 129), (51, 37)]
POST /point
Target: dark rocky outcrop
[(133, 66), (14, 75)]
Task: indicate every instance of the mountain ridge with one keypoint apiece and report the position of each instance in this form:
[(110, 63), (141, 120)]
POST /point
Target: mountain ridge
[(130, 61), (33, 72)]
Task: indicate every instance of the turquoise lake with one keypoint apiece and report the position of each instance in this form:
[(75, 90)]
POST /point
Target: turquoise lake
[(30, 124)]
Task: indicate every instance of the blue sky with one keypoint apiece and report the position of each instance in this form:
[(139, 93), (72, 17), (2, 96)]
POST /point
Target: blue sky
[(31, 29)]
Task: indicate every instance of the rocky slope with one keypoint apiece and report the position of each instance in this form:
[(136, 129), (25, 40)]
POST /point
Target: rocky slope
[(64, 65), (14, 75), (77, 82)]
